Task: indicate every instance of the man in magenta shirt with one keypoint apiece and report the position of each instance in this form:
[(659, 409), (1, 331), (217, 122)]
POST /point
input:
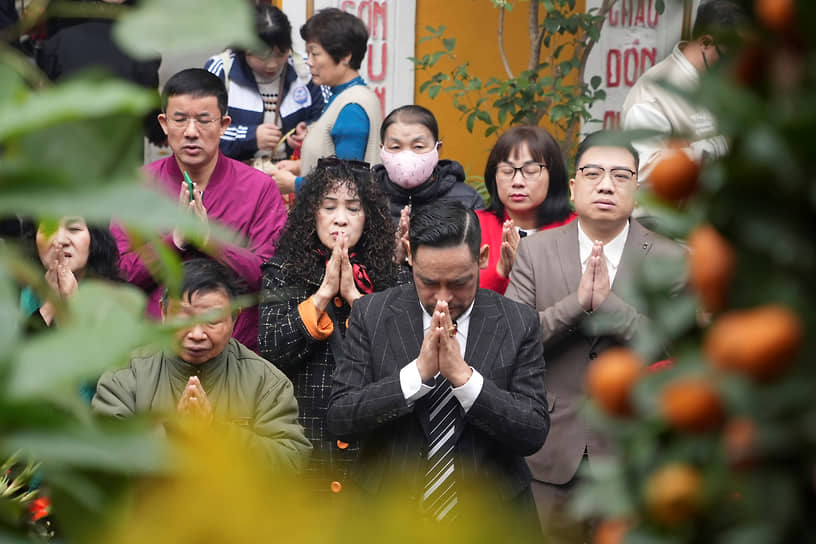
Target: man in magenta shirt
[(225, 191)]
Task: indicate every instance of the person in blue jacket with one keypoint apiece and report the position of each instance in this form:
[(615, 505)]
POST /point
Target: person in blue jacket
[(271, 96)]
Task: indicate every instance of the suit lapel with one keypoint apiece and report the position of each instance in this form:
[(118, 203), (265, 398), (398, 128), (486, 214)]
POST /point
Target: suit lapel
[(637, 246), (485, 332), (404, 326), (405, 335), (569, 256)]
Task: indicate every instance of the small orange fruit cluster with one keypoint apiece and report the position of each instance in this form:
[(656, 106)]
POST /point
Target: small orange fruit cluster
[(760, 343)]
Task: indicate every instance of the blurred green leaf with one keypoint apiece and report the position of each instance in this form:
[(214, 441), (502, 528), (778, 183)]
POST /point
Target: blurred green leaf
[(100, 449), (60, 359), (182, 26), (10, 315), (59, 151), (71, 101)]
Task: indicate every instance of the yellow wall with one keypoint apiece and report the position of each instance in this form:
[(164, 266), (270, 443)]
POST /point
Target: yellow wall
[(474, 24)]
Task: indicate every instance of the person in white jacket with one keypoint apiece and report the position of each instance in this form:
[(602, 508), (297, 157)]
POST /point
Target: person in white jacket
[(651, 105)]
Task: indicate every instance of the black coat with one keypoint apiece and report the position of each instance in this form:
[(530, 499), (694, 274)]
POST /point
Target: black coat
[(446, 182), (508, 420)]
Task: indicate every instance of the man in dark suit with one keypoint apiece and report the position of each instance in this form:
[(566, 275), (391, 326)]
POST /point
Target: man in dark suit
[(443, 381), (567, 274)]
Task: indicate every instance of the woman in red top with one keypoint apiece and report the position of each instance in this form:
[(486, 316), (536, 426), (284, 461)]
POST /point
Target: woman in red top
[(527, 181)]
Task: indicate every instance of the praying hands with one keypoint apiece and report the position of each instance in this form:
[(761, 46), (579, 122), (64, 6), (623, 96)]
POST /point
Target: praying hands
[(594, 285)]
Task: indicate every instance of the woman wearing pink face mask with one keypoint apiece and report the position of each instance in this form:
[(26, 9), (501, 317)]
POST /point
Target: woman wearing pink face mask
[(411, 173)]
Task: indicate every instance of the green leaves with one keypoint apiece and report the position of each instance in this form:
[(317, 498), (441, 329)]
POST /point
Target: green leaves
[(548, 91), (180, 26), (72, 101), (58, 362)]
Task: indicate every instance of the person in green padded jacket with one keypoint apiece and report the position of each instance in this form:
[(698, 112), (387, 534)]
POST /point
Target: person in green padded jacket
[(210, 378)]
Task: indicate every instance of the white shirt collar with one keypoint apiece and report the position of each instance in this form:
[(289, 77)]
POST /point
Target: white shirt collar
[(683, 63), (613, 251)]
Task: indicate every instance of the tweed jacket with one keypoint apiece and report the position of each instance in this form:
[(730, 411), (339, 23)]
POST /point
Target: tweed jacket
[(545, 276), (284, 340), (507, 421)]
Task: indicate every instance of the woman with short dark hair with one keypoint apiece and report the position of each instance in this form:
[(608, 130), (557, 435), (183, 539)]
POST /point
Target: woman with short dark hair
[(526, 178), (336, 43)]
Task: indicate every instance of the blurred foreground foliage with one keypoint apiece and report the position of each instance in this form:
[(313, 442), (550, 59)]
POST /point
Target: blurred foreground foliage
[(731, 458), (76, 149), (217, 493)]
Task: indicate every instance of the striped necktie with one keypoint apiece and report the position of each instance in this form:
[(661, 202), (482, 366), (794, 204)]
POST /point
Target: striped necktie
[(439, 497)]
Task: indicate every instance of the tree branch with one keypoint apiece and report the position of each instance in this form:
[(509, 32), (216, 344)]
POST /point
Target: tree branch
[(501, 44), (536, 37), (583, 48)]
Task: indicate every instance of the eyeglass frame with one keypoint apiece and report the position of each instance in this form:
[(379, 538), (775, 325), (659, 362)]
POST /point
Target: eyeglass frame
[(517, 169), (604, 172), (201, 124)]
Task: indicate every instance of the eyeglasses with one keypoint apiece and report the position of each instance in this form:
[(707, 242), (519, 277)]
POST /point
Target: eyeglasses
[(203, 122), (356, 167), (529, 170), (594, 174)]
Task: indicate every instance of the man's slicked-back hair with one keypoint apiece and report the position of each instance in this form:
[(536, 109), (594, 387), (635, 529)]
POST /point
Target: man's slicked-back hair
[(205, 276), (720, 18), (443, 224), (198, 83), (603, 138)]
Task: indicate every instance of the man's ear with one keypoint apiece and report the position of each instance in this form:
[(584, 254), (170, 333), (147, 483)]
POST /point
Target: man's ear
[(162, 117), (408, 252), (706, 41), (484, 256), (226, 120), (572, 189)]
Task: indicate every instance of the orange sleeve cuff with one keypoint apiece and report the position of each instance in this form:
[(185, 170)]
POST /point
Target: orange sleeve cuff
[(319, 326)]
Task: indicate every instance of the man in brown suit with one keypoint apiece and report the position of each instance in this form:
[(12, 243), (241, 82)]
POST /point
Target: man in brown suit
[(566, 274)]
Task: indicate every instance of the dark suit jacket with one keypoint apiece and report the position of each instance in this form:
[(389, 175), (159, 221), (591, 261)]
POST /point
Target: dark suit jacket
[(508, 420), (545, 276)]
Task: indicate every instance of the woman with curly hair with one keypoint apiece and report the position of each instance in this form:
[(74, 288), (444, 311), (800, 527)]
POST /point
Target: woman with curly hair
[(337, 245)]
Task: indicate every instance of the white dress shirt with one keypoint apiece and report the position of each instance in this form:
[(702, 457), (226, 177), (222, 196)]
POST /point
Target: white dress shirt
[(613, 251), (411, 381)]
